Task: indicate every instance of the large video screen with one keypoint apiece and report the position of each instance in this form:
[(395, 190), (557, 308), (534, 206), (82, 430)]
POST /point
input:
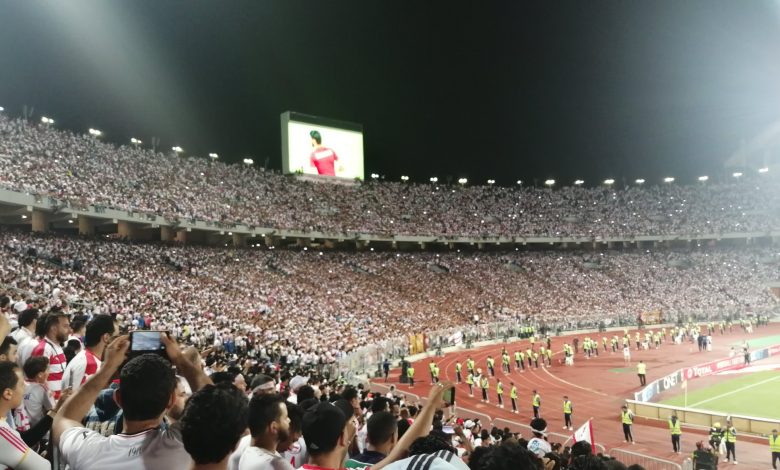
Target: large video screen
[(320, 146)]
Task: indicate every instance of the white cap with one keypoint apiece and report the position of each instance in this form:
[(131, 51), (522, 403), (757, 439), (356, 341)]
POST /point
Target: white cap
[(20, 306)]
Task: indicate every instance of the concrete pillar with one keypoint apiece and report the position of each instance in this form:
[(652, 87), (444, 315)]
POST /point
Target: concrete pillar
[(422, 245), (86, 225), (610, 245), (40, 221), (480, 245), (181, 236), (239, 239), (269, 240), (167, 234), (127, 229)]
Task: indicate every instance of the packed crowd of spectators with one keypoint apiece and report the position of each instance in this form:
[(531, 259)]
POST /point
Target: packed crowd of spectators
[(82, 170), (312, 307), (171, 409)]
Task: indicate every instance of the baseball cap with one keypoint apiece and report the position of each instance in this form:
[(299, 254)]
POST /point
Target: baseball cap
[(323, 424)]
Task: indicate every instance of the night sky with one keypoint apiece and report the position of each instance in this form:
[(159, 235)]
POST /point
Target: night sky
[(506, 90)]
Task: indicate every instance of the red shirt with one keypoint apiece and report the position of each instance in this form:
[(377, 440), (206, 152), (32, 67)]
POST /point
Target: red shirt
[(324, 159)]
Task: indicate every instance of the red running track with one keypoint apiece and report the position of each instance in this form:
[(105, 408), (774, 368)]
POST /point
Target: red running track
[(597, 388)]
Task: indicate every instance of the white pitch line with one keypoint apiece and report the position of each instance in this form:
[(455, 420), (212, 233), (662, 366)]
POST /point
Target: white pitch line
[(734, 391)]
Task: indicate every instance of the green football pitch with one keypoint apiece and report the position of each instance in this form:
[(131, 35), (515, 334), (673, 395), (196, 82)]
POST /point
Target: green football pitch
[(753, 394)]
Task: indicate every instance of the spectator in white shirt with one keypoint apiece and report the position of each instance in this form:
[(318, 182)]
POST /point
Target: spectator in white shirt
[(27, 321), (212, 424), (269, 425), (146, 390), (14, 453), (37, 399)]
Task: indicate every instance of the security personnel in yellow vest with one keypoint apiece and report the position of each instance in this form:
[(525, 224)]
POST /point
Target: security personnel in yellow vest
[(627, 418), (470, 383), (513, 396), (435, 373), (549, 357), (731, 442), (470, 365), (604, 342), (519, 360), (410, 375), (774, 447), (537, 403), (536, 360), (568, 408), (458, 368), (641, 370), (505, 361), (500, 393), (674, 428), (528, 355), (491, 364), (484, 385)]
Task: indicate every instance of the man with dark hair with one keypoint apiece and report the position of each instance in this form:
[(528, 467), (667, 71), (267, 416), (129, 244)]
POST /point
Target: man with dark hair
[(8, 349), (510, 455), (382, 436), (269, 426), (322, 158), (100, 331), (212, 424), (146, 390), (14, 452), (27, 320), (293, 449), (56, 329)]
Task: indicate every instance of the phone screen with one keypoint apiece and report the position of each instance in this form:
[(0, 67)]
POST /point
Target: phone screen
[(146, 341), (448, 430), (449, 396)]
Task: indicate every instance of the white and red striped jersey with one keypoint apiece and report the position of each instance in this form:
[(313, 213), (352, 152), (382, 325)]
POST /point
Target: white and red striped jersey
[(79, 369), (15, 454), (57, 362)]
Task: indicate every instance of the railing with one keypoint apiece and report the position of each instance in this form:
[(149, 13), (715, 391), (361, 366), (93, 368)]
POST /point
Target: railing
[(628, 457)]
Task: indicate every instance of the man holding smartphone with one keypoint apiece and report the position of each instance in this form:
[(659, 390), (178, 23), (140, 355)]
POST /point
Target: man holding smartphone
[(147, 386)]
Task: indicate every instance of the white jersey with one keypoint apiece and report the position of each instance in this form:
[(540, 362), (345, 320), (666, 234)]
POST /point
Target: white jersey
[(84, 449), (540, 447), (296, 454), (255, 458), (15, 454), (235, 457)]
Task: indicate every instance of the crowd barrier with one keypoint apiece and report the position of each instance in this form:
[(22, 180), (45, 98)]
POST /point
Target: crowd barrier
[(628, 457), (703, 418)]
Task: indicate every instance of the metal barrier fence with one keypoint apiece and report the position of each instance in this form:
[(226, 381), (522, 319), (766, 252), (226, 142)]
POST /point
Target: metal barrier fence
[(628, 457)]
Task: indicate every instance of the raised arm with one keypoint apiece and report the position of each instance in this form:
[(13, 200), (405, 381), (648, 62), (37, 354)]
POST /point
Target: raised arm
[(74, 410)]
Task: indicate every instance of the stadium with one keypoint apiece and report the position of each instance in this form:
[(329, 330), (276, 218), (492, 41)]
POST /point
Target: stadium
[(170, 302)]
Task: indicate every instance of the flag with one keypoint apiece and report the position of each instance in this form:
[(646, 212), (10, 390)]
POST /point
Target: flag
[(585, 433), (684, 384)]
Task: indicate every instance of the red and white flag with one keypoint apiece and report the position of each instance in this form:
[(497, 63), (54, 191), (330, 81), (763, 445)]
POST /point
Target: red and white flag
[(585, 433)]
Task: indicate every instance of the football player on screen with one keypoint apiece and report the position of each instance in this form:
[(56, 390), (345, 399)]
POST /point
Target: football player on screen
[(322, 158)]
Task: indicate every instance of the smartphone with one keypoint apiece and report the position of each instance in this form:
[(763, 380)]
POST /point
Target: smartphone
[(449, 397), (448, 430), (143, 342)]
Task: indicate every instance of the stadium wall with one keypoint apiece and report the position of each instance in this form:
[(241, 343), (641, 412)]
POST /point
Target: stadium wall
[(642, 407)]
